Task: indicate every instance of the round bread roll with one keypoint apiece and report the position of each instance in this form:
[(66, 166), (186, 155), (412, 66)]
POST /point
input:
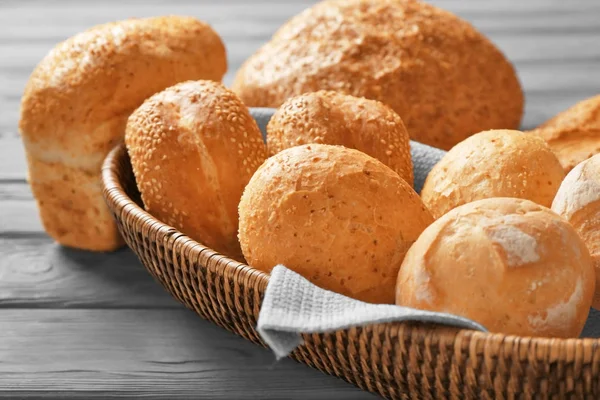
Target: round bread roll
[(336, 216), (193, 149), (443, 77), (497, 163), (328, 117), (76, 105), (510, 264), (574, 134), (578, 200)]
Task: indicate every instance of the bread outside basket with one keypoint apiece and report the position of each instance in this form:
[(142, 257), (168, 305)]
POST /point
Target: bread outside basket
[(402, 360)]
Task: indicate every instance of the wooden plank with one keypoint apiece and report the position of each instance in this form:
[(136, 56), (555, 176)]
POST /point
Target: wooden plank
[(146, 354), (18, 211), (37, 273)]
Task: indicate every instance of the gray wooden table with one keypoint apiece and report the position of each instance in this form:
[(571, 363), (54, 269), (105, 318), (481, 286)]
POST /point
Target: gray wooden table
[(75, 324)]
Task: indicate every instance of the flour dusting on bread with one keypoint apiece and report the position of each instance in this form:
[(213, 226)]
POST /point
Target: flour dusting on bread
[(577, 191)]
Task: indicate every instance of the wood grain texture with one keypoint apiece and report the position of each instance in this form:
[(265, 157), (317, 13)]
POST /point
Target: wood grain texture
[(146, 354), (37, 273)]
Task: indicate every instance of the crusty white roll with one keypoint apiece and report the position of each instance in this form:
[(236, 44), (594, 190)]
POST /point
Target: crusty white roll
[(76, 105), (193, 149), (578, 200), (329, 117), (511, 265), (496, 163), (335, 215)]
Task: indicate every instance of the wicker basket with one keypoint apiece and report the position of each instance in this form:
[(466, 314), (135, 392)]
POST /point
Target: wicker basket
[(397, 361)]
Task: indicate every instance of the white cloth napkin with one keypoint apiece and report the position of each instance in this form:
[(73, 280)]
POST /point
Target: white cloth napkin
[(292, 305)]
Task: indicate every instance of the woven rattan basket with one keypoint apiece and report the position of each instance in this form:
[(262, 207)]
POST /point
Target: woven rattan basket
[(397, 361)]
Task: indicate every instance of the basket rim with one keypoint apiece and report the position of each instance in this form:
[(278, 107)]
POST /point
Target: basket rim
[(117, 199)]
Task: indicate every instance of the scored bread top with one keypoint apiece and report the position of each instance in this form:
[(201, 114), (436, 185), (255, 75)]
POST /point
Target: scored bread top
[(193, 149), (574, 134)]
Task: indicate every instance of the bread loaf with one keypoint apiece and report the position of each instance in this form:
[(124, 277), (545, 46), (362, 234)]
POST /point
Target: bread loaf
[(497, 163), (578, 200), (444, 78), (511, 265), (574, 134), (337, 216), (193, 149), (76, 105), (328, 117)]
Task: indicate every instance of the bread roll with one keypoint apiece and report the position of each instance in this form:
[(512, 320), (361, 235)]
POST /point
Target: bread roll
[(76, 105), (497, 163), (328, 117), (444, 78), (574, 134), (336, 216), (511, 265), (578, 200), (193, 149)]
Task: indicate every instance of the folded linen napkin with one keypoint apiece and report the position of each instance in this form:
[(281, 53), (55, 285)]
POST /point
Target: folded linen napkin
[(292, 306)]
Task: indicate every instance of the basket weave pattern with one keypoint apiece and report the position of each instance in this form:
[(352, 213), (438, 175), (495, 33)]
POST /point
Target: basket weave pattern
[(396, 360)]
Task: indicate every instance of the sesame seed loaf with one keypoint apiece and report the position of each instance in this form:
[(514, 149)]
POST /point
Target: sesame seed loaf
[(444, 78), (335, 215), (329, 117), (76, 105), (193, 149)]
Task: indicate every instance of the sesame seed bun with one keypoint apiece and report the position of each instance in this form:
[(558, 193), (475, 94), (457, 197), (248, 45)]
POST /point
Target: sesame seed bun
[(497, 163), (574, 134), (337, 216), (76, 105), (578, 200), (193, 149), (328, 117), (511, 265), (443, 77)]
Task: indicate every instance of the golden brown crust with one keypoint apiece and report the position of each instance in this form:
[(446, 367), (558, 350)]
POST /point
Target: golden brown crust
[(77, 101), (337, 216), (444, 78), (578, 200), (497, 163), (193, 149), (328, 117), (509, 264), (574, 134)]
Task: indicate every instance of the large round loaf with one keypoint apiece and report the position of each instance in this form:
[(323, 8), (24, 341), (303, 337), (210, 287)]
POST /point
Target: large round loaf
[(574, 134), (443, 77), (335, 215), (76, 105), (513, 266), (328, 117), (193, 149)]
